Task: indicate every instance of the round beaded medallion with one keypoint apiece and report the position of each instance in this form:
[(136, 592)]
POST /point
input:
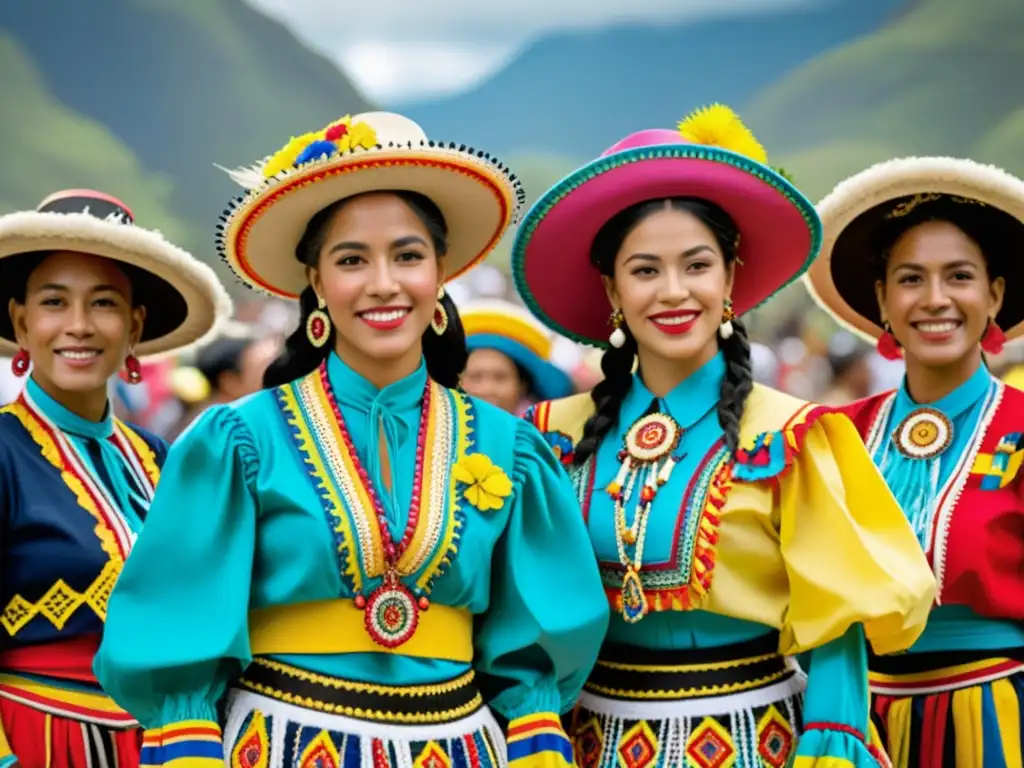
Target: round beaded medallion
[(924, 434), (652, 437), (391, 615)]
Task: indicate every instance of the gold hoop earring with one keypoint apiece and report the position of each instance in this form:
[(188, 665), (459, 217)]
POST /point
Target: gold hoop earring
[(318, 325), (439, 322)]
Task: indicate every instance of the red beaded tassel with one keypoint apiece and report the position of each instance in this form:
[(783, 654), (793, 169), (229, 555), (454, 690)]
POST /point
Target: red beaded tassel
[(134, 368), (20, 363), (888, 347), (994, 339)]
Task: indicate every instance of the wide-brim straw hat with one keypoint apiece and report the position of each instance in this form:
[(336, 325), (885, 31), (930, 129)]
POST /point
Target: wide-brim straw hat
[(376, 151), (857, 212), (185, 302)]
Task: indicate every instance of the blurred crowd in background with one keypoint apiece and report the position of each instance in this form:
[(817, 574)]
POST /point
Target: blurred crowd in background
[(804, 358)]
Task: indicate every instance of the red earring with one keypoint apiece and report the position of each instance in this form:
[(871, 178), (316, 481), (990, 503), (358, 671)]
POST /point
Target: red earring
[(994, 338), (132, 365), (888, 347), (20, 363)]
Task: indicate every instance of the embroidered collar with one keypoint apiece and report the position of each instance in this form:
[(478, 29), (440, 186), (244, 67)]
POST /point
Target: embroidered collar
[(687, 403), (953, 405), (67, 421)]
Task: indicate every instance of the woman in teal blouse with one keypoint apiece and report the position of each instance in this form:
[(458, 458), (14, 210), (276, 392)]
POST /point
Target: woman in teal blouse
[(736, 527), (361, 565)]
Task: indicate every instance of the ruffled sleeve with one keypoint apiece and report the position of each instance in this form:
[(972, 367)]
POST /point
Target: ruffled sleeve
[(176, 629), (855, 570), (548, 614)]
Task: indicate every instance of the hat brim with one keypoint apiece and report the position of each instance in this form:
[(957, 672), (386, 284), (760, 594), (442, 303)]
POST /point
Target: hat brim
[(262, 229), (185, 301), (841, 281), (779, 228), (547, 380)]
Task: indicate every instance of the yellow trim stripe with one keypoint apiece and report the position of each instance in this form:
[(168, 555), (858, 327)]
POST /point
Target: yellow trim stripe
[(442, 633)]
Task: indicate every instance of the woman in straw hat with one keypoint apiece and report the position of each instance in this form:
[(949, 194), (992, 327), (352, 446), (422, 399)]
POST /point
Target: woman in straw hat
[(369, 566), (735, 525), (509, 357), (87, 292), (918, 256)]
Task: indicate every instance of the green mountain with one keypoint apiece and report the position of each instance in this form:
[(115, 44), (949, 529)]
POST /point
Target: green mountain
[(166, 89), (943, 78), (45, 146)]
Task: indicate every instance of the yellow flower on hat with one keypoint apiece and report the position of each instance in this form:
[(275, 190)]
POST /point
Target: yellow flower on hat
[(719, 126), (359, 135), (285, 157), (487, 485)]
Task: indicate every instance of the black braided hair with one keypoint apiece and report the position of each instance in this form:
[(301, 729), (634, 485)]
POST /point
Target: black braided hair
[(617, 364), (445, 354)]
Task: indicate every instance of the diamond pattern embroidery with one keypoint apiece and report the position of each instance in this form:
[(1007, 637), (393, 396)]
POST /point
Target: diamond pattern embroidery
[(432, 756), (774, 738), (589, 744), (638, 747), (320, 753), (710, 745)]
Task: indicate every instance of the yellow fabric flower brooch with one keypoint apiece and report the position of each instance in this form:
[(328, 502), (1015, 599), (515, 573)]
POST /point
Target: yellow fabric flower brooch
[(339, 137), (487, 485)]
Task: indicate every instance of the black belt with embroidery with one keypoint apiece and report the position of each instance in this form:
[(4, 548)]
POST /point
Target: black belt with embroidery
[(628, 672), (428, 703)]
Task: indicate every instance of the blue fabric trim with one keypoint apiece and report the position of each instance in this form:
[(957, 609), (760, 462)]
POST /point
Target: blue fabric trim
[(776, 451), (165, 754), (548, 381), (542, 742)]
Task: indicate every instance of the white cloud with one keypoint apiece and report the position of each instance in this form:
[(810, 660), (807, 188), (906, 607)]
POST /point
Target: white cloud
[(402, 49), (390, 72)]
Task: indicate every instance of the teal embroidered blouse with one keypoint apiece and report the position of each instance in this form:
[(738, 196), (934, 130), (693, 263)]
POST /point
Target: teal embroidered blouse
[(756, 536), (240, 524), (916, 483)]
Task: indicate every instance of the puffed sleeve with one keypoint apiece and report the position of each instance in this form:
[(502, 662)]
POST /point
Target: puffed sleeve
[(548, 613), (855, 570), (176, 629)]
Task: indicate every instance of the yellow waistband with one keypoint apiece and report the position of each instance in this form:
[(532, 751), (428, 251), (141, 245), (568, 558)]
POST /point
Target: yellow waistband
[(337, 626)]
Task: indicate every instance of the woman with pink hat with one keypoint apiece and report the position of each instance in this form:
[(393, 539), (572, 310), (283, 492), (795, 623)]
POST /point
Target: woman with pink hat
[(922, 255), (735, 526)]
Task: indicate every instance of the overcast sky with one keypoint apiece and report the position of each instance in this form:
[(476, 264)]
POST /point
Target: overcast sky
[(401, 49)]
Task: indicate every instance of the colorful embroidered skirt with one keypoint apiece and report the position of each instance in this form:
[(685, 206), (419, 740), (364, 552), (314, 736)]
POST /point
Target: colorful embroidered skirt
[(949, 709), (280, 715), (53, 727), (738, 705)]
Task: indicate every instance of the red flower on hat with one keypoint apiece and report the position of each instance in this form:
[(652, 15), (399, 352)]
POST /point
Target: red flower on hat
[(336, 131)]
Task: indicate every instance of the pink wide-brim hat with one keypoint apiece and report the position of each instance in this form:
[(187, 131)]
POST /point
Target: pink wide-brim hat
[(780, 232)]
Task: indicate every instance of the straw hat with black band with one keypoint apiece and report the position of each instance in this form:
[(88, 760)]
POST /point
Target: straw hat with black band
[(185, 302), (864, 215), (376, 151)]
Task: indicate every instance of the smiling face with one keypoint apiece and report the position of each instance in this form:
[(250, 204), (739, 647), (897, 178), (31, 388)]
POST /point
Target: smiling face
[(77, 322), (937, 295), (671, 282), (379, 273)]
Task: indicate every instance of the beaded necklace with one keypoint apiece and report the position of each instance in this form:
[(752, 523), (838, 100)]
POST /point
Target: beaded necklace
[(646, 458), (391, 613)]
